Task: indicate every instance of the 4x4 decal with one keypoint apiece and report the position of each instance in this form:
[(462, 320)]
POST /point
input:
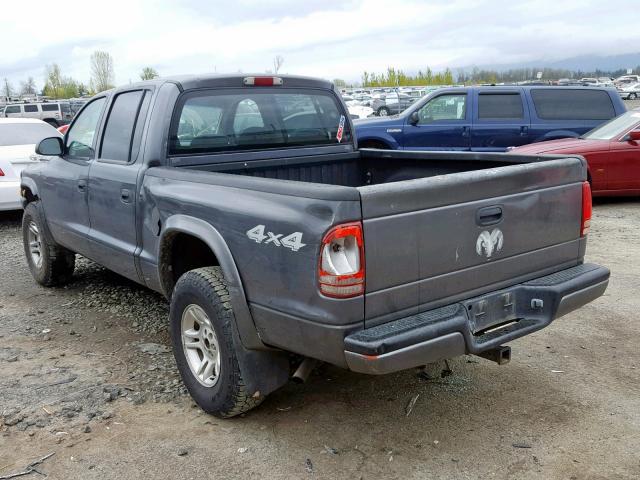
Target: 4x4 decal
[(292, 241)]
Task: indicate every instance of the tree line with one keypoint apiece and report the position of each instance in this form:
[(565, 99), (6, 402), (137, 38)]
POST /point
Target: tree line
[(58, 85), (394, 77)]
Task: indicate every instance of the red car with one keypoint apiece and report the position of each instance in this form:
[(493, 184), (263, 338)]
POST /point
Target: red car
[(612, 151)]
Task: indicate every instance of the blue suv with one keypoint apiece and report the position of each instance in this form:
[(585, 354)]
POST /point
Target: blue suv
[(491, 119)]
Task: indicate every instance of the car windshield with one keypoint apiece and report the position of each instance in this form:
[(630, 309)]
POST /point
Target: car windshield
[(615, 127), (25, 133)]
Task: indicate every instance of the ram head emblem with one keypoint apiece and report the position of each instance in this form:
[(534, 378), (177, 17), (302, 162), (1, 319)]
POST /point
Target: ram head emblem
[(488, 243)]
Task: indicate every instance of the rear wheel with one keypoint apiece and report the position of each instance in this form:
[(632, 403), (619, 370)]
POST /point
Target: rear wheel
[(203, 343), (383, 112), (633, 96), (50, 263)]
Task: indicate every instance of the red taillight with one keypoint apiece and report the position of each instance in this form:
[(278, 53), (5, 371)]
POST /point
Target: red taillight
[(262, 81), (1, 173), (341, 268), (587, 209)]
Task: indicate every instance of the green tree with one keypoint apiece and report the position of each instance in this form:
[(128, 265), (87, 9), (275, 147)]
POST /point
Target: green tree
[(102, 72), (148, 73), (53, 81)]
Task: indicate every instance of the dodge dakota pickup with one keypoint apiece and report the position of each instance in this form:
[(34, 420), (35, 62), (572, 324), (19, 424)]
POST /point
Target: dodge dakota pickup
[(246, 202)]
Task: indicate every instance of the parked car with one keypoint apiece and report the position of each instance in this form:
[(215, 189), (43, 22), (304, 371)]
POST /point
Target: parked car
[(611, 150), (629, 91), (626, 79), (259, 236), (391, 103), (18, 139), (54, 113), (359, 111), (491, 118)]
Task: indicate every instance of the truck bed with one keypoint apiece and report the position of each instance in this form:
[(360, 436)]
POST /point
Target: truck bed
[(365, 167)]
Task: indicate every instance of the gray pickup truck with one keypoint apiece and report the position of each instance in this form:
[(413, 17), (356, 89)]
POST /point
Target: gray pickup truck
[(245, 201)]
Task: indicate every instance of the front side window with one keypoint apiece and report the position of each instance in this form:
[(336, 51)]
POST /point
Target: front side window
[(116, 142), (12, 109), (217, 121), (568, 104), (81, 134), (444, 107), (495, 106)]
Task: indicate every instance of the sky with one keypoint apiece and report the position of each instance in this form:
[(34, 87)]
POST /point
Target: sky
[(317, 38)]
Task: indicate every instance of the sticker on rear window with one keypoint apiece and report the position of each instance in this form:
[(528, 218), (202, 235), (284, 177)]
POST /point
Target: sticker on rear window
[(340, 129)]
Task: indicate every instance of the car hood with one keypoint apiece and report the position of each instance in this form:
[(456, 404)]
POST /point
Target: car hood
[(17, 153), (390, 121), (563, 145)]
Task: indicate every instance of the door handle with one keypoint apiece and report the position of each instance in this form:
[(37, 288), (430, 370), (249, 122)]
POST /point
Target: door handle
[(82, 186), (125, 195), (489, 216), (524, 130), (465, 131)]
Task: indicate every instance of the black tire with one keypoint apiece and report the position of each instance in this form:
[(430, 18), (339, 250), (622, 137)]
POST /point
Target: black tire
[(633, 96), (206, 288), (56, 263), (384, 112)]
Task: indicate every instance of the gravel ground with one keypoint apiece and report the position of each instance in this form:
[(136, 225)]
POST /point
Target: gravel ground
[(86, 373)]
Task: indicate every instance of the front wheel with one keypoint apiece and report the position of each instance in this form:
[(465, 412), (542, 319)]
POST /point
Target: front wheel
[(201, 320), (383, 112), (50, 263), (633, 96)]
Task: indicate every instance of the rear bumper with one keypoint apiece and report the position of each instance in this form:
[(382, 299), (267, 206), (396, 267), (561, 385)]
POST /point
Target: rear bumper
[(474, 325), (10, 195)]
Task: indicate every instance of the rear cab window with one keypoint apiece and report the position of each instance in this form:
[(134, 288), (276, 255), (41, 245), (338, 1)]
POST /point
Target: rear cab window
[(50, 107), (211, 121), (572, 104), (118, 132)]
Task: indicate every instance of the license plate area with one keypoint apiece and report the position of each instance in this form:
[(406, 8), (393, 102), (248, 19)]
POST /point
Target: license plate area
[(490, 311)]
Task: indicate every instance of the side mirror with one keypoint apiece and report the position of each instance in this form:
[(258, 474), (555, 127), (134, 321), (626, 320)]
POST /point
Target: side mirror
[(633, 136), (51, 146), (414, 118)]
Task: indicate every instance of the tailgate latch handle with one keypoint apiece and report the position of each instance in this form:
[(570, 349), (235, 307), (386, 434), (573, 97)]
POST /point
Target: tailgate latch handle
[(489, 216)]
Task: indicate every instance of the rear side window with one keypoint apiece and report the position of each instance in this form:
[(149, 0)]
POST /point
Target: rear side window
[(567, 104), (49, 107), (216, 121), (118, 133), (492, 106), (30, 108)]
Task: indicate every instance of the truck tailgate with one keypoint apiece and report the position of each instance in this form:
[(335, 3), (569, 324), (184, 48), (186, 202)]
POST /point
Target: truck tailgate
[(434, 241)]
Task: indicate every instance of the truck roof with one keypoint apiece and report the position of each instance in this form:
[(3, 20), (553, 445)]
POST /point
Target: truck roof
[(188, 82)]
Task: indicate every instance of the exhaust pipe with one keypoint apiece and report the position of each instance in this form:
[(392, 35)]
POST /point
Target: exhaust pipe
[(304, 370), (500, 355)]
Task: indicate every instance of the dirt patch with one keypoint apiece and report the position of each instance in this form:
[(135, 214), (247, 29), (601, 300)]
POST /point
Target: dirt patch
[(86, 372)]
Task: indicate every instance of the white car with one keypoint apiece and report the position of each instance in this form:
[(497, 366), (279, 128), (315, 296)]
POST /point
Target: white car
[(18, 140), (359, 111), (630, 92)]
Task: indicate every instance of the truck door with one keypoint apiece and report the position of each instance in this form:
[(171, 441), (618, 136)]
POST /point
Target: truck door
[(500, 120), (113, 181), (444, 123), (64, 190)]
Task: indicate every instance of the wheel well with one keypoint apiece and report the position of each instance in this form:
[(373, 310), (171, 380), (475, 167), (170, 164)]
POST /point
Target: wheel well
[(28, 195), (373, 144), (179, 253)]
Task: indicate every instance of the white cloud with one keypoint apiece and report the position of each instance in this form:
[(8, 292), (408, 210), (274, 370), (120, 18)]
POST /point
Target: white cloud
[(315, 37)]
